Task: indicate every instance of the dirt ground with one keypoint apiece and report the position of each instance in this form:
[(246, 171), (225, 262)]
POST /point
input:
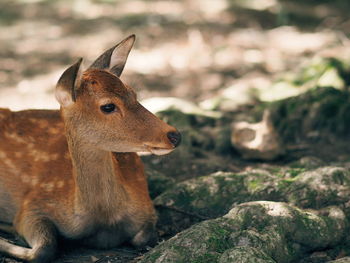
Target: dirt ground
[(190, 49)]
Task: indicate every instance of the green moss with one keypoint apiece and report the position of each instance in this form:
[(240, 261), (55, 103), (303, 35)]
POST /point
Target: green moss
[(158, 183), (254, 232), (253, 185), (293, 172), (255, 182), (154, 256), (325, 110), (208, 195), (245, 255), (313, 72), (206, 258), (217, 241), (284, 184)]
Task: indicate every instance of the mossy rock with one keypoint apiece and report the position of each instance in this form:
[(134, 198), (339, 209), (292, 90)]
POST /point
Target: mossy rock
[(316, 114), (197, 199), (308, 162), (341, 260), (212, 196), (245, 255), (259, 231), (158, 182), (202, 198), (319, 188), (203, 242), (312, 230)]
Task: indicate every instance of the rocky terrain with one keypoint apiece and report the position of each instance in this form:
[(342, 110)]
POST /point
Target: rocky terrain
[(294, 209)]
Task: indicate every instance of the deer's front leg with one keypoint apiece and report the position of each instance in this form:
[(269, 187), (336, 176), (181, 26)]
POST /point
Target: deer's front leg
[(111, 237), (40, 235), (105, 238), (147, 235)]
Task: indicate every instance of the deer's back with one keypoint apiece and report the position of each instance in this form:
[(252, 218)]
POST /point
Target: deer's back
[(34, 157)]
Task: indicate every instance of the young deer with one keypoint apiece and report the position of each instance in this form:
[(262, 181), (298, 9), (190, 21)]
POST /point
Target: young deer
[(75, 173)]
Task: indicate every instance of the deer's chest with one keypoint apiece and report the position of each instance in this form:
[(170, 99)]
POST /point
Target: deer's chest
[(96, 231)]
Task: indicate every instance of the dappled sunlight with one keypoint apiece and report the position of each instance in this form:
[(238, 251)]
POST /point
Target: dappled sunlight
[(32, 93), (198, 50)]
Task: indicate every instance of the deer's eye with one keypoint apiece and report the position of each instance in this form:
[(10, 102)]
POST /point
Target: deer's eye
[(108, 108)]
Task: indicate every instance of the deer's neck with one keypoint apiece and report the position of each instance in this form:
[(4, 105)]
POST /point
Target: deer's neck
[(97, 187)]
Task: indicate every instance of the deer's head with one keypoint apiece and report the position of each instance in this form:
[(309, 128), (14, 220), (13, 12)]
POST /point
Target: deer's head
[(103, 112)]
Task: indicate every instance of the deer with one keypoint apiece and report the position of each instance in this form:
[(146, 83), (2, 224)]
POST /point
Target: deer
[(74, 173)]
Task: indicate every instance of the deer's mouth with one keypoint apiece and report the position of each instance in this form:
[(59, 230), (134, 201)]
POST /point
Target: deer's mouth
[(158, 150)]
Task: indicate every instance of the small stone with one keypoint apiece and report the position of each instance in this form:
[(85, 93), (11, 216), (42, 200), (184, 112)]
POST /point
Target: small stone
[(341, 260), (257, 140), (94, 259)]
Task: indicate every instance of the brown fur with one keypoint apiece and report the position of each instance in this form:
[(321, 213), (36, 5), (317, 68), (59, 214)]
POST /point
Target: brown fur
[(77, 175)]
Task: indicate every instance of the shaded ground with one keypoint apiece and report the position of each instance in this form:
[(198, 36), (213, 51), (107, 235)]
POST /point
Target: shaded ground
[(234, 57), (189, 49)]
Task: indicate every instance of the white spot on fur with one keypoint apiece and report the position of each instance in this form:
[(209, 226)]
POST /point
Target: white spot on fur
[(25, 178), (43, 124), (34, 181), (14, 137), (41, 156), (60, 184), (54, 130), (48, 186), (18, 154), (30, 146), (54, 156), (9, 163)]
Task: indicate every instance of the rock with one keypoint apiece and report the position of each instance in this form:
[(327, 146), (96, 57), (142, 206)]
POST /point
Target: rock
[(310, 229), (314, 115), (341, 260), (315, 257), (254, 232), (158, 183), (245, 255), (309, 162), (202, 242), (257, 140), (211, 196), (198, 199), (208, 196), (319, 188)]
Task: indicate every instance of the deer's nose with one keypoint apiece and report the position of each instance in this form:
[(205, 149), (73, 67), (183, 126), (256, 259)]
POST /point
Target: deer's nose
[(174, 138)]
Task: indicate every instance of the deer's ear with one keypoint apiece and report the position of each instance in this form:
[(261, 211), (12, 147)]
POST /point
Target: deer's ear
[(66, 86), (114, 59)]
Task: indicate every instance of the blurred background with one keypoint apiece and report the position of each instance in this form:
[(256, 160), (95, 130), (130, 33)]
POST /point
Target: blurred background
[(216, 53)]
